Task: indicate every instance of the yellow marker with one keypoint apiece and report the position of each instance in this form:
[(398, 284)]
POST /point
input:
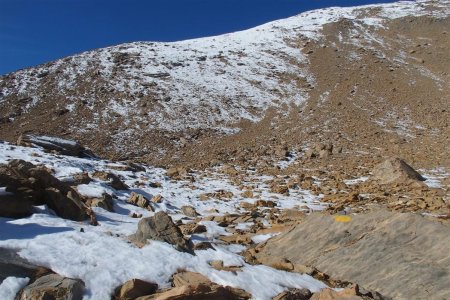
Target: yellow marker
[(341, 218)]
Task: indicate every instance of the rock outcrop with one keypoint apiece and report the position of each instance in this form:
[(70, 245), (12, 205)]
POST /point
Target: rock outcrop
[(31, 184), (381, 251)]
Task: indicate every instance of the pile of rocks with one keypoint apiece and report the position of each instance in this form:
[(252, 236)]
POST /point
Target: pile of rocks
[(27, 185)]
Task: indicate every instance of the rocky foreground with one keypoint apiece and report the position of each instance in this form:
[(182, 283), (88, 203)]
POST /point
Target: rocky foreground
[(306, 158), (77, 226)]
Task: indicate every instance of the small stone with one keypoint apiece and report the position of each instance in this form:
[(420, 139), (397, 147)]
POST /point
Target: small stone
[(157, 199), (189, 211)]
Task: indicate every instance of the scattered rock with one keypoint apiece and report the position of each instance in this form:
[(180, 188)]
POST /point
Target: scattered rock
[(160, 227), (112, 179), (194, 286), (189, 211), (106, 202), (81, 178), (139, 200), (247, 194), (279, 189), (157, 199), (135, 215), (264, 203), (203, 246)]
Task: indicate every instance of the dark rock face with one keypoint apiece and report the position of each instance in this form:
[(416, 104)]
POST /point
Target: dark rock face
[(12, 206), (62, 146), (31, 184), (400, 250), (112, 179), (11, 264), (294, 294), (160, 227), (53, 286)]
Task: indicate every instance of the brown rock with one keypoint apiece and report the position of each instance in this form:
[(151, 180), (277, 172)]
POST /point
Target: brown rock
[(188, 278), (157, 199), (13, 206), (139, 200), (36, 184), (329, 294), (189, 211), (194, 286), (53, 286), (247, 194), (160, 227), (112, 179), (395, 170), (135, 288), (81, 178), (106, 202), (294, 294), (264, 203), (279, 189)]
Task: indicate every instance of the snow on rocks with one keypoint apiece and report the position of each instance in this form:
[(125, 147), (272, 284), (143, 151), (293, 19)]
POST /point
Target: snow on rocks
[(47, 240)]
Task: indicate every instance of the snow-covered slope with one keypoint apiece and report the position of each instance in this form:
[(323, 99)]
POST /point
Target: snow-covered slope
[(102, 256), (203, 83)]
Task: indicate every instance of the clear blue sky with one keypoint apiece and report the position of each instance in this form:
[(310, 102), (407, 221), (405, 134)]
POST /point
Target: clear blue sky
[(37, 31)]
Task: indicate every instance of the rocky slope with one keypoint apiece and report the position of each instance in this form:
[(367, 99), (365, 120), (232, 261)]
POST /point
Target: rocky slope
[(326, 132), (358, 76)]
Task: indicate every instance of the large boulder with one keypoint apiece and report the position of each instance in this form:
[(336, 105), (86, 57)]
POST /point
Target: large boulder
[(391, 253), (395, 170), (53, 286), (135, 288), (31, 184), (62, 146), (160, 227)]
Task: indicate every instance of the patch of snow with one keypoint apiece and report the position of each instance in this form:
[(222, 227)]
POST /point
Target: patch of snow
[(259, 238), (11, 286)]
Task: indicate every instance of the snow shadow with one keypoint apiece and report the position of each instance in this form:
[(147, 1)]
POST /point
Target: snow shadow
[(26, 231)]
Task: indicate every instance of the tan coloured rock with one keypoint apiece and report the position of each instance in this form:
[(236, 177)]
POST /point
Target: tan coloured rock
[(395, 170), (140, 200), (135, 288)]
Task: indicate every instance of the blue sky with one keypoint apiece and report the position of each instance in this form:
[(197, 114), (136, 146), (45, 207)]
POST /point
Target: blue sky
[(37, 31)]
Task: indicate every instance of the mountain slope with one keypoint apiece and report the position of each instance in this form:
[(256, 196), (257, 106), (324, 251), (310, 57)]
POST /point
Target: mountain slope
[(165, 101)]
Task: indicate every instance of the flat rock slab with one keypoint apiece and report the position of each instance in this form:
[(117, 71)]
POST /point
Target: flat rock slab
[(404, 256)]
